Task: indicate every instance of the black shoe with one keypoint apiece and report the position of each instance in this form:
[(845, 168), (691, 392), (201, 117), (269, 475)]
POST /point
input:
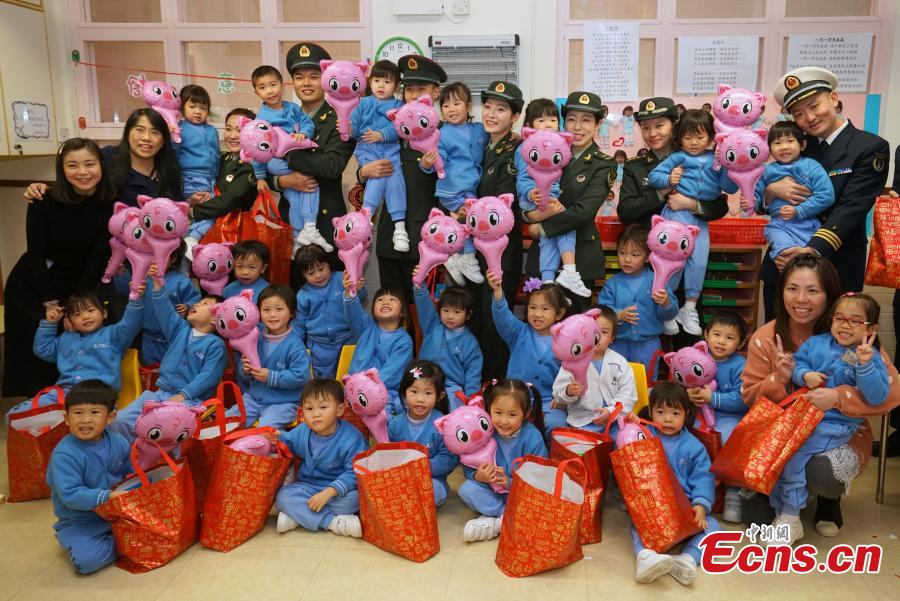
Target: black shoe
[(757, 510), (828, 510)]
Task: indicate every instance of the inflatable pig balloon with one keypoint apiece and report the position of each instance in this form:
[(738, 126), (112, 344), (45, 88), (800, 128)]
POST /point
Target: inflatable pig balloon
[(261, 141), (546, 154), (116, 242), (442, 236), (166, 423), (744, 153), (236, 321), (671, 243), (166, 221), (736, 109), (211, 264), (488, 221), (368, 397), (353, 237), (344, 83), (628, 432), (163, 99), (574, 340), (468, 433), (137, 251), (253, 444), (417, 122), (693, 367)]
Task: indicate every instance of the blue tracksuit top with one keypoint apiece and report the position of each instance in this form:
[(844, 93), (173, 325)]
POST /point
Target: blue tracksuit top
[(80, 474), (178, 287), (806, 172), (199, 150), (320, 312), (389, 356), (527, 441), (97, 355), (235, 288), (529, 360), (625, 290), (699, 180), (525, 184), (290, 118), (821, 353), (371, 113), (727, 397), (288, 365), (193, 365), (331, 464), (689, 460), (441, 460), (462, 149), (459, 356)]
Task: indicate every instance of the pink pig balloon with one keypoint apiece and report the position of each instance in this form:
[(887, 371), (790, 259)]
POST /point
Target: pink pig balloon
[(546, 154), (163, 99), (117, 246), (261, 141), (417, 122), (468, 433), (353, 237), (442, 236), (574, 340), (236, 321), (629, 432), (137, 251), (166, 221), (254, 444), (166, 423), (488, 221), (671, 243), (212, 263), (736, 108), (744, 153), (368, 397), (693, 367), (344, 83)]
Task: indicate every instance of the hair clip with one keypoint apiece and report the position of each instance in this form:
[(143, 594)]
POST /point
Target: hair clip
[(529, 384), (532, 284), (416, 372), (851, 293), (493, 381)]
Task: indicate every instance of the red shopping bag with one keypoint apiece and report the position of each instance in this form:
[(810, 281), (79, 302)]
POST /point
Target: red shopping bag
[(542, 521), (154, 523), (659, 509), (396, 499), (712, 442), (241, 492), (764, 440), (883, 266), (32, 436), (149, 374)]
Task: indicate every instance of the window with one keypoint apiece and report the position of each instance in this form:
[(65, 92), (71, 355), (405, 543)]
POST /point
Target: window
[(646, 60), (721, 9), (319, 11), (118, 95), (231, 59), (116, 11), (831, 8), (217, 11), (591, 10)]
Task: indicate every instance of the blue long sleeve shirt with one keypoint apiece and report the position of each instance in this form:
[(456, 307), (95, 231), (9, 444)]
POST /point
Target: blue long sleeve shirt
[(806, 172), (699, 180), (290, 118), (288, 365), (525, 184), (530, 356), (689, 460), (199, 150), (330, 464), (388, 351), (94, 356), (626, 290), (462, 149), (371, 113), (440, 459), (320, 312), (527, 441), (235, 288), (80, 474), (727, 397), (178, 288)]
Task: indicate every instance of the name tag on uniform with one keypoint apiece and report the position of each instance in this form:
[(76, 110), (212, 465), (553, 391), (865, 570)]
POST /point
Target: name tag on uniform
[(843, 171)]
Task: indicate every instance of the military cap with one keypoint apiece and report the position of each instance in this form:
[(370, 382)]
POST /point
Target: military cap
[(583, 101), (802, 83), (659, 106), (418, 69), (503, 90), (305, 55)]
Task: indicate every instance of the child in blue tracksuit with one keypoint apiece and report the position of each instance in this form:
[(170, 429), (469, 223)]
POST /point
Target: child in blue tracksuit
[(422, 389), (382, 341), (512, 405), (377, 139), (792, 225), (543, 114), (848, 355), (181, 293), (670, 409), (324, 496), (641, 312), (192, 366), (321, 321), (461, 147), (530, 354), (448, 342), (304, 206), (690, 172), (91, 351), (251, 259), (628, 124), (199, 155), (273, 393), (605, 122), (83, 468)]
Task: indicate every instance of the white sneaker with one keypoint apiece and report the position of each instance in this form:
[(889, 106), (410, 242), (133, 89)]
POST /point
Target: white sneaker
[(190, 242), (670, 327), (297, 245), (285, 523), (795, 527), (346, 525), (649, 566), (317, 238), (689, 320), (732, 511), (304, 238), (401, 241), (571, 281), (469, 267), (684, 569), (453, 269), (481, 528), (827, 529)]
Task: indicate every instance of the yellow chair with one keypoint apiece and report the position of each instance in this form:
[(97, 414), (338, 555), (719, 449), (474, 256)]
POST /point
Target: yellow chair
[(309, 357), (640, 382), (131, 379), (344, 361)]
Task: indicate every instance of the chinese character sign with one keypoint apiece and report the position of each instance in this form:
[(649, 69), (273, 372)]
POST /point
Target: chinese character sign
[(844, 54), (611, 60), (225, 86), (135, 83), (705, 62)]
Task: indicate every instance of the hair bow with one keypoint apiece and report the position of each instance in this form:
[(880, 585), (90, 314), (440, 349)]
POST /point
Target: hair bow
[(532, 284)]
